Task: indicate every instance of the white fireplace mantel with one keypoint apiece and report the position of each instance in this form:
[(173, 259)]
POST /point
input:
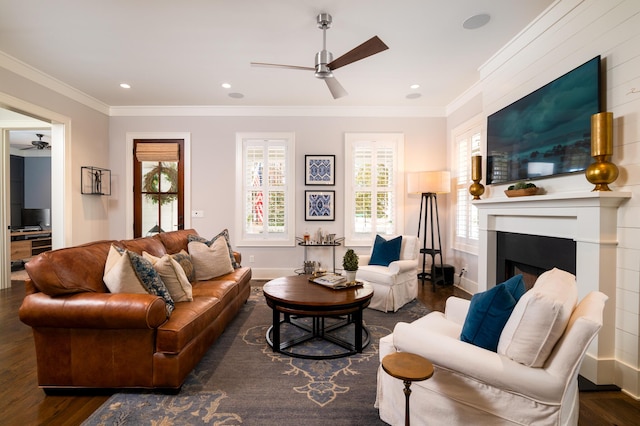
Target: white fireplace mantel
[(588, 218)]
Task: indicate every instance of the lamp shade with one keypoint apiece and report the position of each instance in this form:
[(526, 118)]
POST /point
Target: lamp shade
[(438, 182)]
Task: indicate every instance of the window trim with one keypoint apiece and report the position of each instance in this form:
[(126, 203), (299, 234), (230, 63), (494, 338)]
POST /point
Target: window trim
[(264, 241), (350, 139), (472, 126)]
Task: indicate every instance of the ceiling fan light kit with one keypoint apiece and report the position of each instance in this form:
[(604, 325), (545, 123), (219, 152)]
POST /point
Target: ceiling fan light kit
[(324, 62)]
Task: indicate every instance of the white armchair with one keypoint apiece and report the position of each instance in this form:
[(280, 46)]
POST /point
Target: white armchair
[(396, 284), (472, 385)]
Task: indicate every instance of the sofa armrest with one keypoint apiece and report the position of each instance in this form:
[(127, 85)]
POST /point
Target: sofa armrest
[(456, 309), (363, 259), (93, 310), (478, 364), (401, 266)]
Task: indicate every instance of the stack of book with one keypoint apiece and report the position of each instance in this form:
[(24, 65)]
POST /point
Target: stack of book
[(334, 281)]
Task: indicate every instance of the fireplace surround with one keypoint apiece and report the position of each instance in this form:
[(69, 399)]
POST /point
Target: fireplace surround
[(589, 219)]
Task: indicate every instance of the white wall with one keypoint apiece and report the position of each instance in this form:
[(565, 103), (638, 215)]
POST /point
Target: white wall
[(87, 142), (213, 170), (569, 34)]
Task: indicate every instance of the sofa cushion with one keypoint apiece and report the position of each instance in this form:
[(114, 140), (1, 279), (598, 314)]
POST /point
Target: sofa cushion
[(224, 234), (172, 276), (151, 245), (128, 272), (489, 311), (210, 261), (175, 241), (187, 322), (70, 270), (385, 251), (539, 318)]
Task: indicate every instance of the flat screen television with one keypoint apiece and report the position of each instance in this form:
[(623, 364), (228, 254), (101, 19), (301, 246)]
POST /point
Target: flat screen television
[(548, 132), (36, 217)]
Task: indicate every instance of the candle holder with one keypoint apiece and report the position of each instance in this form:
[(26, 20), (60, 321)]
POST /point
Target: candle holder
[(476, 189), (602, 172)]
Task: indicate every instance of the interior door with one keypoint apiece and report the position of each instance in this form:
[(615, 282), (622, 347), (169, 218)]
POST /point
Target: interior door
[(158, 167)]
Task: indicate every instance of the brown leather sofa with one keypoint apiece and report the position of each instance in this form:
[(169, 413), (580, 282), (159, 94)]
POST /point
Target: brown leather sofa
[(87, 337)]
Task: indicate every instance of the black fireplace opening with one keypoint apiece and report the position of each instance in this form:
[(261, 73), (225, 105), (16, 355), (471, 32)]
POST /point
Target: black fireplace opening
[(531, 255)]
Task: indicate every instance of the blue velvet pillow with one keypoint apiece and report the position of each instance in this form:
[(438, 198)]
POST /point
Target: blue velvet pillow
[(385, 252), (489, 312)]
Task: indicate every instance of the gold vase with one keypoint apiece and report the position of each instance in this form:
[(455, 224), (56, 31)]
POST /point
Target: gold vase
[(476, 189), (602, 172)]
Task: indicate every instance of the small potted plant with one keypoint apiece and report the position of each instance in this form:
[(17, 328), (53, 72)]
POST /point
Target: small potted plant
[(350, 264)]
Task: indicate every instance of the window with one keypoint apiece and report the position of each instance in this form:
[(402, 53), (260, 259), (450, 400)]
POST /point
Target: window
[(467, 143), (265, 184), (374, 182)]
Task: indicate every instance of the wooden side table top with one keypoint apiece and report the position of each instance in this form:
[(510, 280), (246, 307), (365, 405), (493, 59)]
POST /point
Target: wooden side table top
[(407, 366)]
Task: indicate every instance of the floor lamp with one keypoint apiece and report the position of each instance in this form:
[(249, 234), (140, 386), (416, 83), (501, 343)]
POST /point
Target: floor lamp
[(429, 185)]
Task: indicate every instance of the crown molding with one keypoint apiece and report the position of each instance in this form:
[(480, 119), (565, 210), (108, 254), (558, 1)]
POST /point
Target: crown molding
[(274, 111), (27, 71)]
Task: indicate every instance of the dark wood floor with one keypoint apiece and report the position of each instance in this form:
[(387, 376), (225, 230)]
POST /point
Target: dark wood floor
[(23, 403)]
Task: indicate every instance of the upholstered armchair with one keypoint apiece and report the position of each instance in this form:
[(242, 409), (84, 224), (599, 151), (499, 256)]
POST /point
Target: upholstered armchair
[(394, 284), (530, 379)]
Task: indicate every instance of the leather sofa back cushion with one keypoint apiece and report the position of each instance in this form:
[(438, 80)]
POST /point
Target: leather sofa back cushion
[(151, 245), (70, 270), (175, 241)]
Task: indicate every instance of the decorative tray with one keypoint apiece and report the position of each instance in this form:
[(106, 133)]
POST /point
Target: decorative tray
[(522, 192)]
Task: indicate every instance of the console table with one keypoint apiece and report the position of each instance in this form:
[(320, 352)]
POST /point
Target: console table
[(337, 242), (26, 244)]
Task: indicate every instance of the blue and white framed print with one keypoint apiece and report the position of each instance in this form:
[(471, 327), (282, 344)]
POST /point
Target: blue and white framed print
[(319, 205), (320, 169)]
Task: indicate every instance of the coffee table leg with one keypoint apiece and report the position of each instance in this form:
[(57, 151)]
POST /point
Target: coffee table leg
[(275, 331), (358, 337)]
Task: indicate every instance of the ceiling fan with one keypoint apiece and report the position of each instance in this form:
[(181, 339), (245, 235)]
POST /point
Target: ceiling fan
[(325, 64), (39, 144)]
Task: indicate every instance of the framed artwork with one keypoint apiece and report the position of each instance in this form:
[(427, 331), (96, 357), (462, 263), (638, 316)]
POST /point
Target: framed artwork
[(320, 169), (319, 205)]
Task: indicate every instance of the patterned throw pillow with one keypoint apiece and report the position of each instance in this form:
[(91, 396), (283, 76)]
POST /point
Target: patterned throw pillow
[(128, 272), (184, 259), (225, 234), (172, 276)]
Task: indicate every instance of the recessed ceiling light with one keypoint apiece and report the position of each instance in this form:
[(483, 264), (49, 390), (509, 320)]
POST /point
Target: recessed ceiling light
[(476, 21), (226, 85), (415, 86), (413, 95), (125, 86), (236, 95)]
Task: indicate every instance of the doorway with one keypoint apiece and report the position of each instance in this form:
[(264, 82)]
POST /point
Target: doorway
[(17, 114)]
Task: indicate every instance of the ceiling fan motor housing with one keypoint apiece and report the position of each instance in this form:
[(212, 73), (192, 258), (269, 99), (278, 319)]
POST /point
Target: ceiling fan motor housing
[(322, 59), (324, 20)]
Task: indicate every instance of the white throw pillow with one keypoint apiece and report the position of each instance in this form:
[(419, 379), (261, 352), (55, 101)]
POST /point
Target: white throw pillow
[(210, 261), (539, 318), (173, 276), (119, 276)]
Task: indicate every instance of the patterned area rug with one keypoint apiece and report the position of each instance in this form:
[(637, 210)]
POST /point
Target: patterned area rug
[(242, 381)]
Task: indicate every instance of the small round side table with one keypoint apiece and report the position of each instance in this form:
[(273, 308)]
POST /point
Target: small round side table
[(409, 368)]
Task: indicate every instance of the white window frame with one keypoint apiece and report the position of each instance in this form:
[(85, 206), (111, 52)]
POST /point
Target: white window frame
[(396, 142), (462, 180), (266, 239)]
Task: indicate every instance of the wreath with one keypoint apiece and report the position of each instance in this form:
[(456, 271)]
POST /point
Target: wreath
[(152, 180)]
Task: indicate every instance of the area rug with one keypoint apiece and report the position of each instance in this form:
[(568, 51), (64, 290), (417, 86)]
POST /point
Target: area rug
[(242, 381)]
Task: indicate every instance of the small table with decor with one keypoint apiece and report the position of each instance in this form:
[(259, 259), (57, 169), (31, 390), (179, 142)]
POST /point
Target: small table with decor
[(306, 305)]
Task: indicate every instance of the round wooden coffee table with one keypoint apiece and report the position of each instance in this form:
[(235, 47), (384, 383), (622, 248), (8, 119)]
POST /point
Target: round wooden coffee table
[(306, 305)]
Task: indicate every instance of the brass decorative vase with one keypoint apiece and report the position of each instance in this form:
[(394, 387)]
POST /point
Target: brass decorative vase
[(476, 189), (602, 172)]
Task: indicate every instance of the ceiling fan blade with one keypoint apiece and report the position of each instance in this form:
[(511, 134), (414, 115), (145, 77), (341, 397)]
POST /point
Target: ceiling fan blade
[(336, 89), (370, 47), (292, 67)]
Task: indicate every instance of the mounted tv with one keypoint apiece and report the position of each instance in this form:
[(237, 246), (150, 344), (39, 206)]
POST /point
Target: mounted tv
[(32, 218), (548, 132)]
